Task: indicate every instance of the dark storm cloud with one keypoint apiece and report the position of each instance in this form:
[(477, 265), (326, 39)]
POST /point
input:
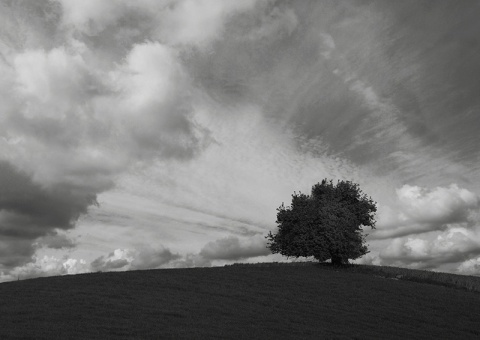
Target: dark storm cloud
[(29, 211), (14, 251)]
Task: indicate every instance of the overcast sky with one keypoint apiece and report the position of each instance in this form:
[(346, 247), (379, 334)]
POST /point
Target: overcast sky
[(159, 134)]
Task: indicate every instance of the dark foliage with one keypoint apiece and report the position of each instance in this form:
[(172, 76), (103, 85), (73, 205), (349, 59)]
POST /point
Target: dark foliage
[(328, 224)]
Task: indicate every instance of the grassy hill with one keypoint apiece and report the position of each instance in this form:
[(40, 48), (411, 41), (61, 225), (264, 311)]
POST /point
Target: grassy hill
[(276, 301)]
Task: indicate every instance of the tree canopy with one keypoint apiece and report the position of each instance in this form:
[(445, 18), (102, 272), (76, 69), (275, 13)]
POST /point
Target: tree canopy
[(327, 224)]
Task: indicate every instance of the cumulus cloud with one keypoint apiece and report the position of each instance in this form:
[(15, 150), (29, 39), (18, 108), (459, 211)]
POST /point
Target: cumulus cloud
[(141, 258), (421, 210), (150, 258), (191, 261), (48, 128), (232, 248), (455, 245), (47, 266), (440, 205), (153, 104), (117, 259), (65, 105), (470, 267), (71, 96), (58, 77), (428, 228)]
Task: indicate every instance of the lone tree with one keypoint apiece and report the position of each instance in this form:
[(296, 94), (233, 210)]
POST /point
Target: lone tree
[(326, 224)]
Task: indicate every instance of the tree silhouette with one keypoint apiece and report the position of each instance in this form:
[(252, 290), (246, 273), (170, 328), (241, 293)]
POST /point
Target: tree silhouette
[(328, 224)]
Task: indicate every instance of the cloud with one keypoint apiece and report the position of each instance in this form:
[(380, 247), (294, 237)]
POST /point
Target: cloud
[(150, 258), (440, 205), (117, 259), (425, 228), (68, 128), (29, 211), (90, 16), (152, 108), (232, 180), (470, 267), (46, 266), (48, 127), (198, 23), (232, 248), (58, 77), (191, 260), (274, 23), (420, 210), (140, 258), (185, 22), (56, 240), (455, 245), (28, 25), (70, 121)]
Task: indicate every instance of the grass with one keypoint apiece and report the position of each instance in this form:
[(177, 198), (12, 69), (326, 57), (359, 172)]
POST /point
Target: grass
[(470, 283), (243, 301)]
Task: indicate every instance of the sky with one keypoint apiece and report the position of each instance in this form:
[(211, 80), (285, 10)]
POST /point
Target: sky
[(165, 134)]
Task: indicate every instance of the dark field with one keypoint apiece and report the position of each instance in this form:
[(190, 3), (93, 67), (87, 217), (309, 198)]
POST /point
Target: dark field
[(236, 302)]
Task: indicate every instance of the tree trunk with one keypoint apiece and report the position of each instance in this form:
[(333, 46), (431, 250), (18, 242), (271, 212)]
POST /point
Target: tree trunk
[(337, 260)]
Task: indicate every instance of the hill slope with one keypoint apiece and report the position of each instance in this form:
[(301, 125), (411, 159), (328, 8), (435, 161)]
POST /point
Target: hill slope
[(235, 302)]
